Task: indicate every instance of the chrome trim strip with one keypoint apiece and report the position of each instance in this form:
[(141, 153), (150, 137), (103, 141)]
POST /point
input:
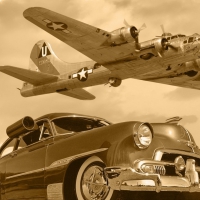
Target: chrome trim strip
[(187, 132), (59, 163), (67, 160), (25, 173), (159, 153)]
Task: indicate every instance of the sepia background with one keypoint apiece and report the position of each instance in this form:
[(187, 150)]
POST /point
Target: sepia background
[(134, 99)]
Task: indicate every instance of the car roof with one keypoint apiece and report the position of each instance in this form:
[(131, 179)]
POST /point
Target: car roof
[(52, 116)]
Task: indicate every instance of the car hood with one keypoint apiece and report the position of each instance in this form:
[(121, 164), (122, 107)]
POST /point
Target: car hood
[(174, 136)]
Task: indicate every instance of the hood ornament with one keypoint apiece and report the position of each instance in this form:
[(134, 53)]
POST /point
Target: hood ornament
[(173, 120)]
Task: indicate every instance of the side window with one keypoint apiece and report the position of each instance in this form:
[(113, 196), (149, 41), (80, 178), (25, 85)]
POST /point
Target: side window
[(185, 42), (175, 36), (73, 124), (32, 137), (190, 40), (45, 130), (76, 124), (181, 35), (9, 147)]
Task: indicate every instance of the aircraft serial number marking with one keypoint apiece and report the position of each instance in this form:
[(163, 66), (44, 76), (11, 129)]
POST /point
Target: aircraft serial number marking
[(41, 62)]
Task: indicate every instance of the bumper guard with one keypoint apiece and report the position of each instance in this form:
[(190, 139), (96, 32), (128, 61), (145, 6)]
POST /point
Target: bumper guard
[(132, 179)]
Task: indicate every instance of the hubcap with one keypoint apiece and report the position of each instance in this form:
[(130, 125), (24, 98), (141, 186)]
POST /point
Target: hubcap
[(93, 184)]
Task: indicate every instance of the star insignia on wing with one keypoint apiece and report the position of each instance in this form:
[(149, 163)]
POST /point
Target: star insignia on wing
[(57, 26)]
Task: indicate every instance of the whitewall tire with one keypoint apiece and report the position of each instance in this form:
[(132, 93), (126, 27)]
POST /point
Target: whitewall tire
[(91, 183)]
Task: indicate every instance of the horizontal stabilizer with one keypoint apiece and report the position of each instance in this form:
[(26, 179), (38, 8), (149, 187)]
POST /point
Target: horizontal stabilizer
[(32, 77), (78, 94)]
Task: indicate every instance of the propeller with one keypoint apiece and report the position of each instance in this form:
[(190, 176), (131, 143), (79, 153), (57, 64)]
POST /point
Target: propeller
[(140, 29), (135, 32), (164, 34)]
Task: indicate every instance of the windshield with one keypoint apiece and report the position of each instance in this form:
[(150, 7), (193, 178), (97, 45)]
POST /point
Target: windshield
[(76, 124)]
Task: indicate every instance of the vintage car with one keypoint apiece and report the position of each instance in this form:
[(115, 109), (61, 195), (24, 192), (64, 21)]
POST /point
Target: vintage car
[(63, 156)]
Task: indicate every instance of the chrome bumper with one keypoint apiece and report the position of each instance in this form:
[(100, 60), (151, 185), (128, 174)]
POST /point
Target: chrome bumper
[(134, 179)]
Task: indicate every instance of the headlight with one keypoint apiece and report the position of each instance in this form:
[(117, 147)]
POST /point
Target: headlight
[(143, 135)]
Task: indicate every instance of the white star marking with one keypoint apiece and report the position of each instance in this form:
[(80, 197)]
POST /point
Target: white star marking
[(82, 74), (56, 26)]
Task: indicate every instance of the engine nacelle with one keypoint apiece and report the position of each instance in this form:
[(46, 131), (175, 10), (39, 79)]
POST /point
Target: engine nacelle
[(123, 35), (159, 44), (20, 127), (193, 65), (190, 68), (114, 82)]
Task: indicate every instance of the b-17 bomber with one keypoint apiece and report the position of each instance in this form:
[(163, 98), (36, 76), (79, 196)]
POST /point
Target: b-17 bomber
[(115, 56)]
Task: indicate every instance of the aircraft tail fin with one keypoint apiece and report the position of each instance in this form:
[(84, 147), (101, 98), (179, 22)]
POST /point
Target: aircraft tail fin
[(43, 59)]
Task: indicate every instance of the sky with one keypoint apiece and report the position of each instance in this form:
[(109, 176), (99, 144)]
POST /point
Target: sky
[(134, 100)]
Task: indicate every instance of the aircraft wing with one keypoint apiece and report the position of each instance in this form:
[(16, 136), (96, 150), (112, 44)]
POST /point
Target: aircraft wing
[(182, 80), (32, 77), (85, 38), (78, 93)]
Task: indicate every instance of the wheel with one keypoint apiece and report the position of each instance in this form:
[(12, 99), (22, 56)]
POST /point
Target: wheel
[(91, 183)]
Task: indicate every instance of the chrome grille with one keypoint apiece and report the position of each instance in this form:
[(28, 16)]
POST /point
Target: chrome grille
[(159, 169), (171, 157)]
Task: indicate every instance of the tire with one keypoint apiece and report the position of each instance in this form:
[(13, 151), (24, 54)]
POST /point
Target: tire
[(91, 183)]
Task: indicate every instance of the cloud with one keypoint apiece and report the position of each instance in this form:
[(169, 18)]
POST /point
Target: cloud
[(121, 4), (149, 117), (188, 119), (134, 99), (182, 94)]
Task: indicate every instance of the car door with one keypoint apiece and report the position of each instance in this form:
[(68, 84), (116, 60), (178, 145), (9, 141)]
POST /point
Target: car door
[(5, 155), (25, 169)]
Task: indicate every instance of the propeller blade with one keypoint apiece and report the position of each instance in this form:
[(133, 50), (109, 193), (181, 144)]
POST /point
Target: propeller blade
[(126, 23), (162, 27), (142, 27)]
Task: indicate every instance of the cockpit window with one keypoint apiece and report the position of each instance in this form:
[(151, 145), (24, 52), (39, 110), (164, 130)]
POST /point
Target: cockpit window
[(174, 36), (181, 35), (190, 39), (76, 124), (185, 42)]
